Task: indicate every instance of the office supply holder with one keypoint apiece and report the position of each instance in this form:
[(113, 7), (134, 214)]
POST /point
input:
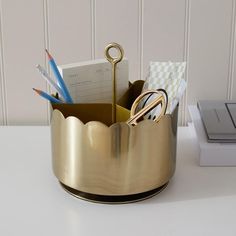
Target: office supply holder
[(98, 161)]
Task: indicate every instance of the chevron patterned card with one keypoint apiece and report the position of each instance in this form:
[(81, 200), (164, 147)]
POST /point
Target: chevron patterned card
[(168, 76)]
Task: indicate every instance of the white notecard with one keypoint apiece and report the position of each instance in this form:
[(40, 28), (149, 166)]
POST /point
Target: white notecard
[(91, 81)]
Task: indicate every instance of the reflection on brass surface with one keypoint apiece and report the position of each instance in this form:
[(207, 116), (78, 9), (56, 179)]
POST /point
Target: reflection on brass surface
[(115, 160)]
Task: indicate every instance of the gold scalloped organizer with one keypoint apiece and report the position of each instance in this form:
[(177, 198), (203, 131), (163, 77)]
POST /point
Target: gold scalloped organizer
[(112, 163)]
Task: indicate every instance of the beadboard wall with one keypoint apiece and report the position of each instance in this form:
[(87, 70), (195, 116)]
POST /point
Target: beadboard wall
[(201, 32)]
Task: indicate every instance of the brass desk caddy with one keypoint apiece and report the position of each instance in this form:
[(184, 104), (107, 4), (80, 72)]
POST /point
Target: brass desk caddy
[(99, 161)]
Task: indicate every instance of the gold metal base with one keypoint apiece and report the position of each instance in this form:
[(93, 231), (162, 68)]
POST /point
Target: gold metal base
[(114, 199)]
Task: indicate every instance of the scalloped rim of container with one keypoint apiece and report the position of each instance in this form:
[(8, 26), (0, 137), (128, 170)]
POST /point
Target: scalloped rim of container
[(55, 111)]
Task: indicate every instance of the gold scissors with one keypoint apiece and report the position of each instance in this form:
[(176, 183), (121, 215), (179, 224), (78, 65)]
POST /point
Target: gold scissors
[(136, 117)]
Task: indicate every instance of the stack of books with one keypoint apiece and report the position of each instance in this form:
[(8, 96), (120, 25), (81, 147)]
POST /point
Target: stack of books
[(215, 126)]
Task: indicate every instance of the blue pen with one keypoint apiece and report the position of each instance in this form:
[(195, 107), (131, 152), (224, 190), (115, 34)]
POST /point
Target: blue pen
[(48, 97), (61, 82)]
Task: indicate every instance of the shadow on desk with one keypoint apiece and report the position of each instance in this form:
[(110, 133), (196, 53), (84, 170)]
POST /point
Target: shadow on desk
[(194, 182)]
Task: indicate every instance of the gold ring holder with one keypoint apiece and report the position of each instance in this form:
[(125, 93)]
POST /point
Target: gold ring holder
[(114, 61)]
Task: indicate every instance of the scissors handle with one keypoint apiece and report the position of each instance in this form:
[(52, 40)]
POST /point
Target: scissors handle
[(114, 61), (135, 117)]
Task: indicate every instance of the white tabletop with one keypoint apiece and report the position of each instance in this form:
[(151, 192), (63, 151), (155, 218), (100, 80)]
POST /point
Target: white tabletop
[(198, 200)]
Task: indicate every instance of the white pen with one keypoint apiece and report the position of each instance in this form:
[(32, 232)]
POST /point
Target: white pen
[(46, 76)]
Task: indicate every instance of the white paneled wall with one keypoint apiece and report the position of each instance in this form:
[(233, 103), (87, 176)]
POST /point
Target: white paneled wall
[(209, 49), (119, 21), (163, 24), (70, 33), (22, 42), (202, 32), (232, 85), (2, 116)]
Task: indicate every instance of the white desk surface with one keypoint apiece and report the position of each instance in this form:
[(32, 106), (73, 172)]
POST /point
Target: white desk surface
[(198, 200)]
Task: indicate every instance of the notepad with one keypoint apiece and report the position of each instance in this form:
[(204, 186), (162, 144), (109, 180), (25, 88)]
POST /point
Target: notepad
[(91, 81)]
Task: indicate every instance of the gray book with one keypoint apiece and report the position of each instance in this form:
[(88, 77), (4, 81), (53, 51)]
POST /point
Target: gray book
[(219, 120)]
